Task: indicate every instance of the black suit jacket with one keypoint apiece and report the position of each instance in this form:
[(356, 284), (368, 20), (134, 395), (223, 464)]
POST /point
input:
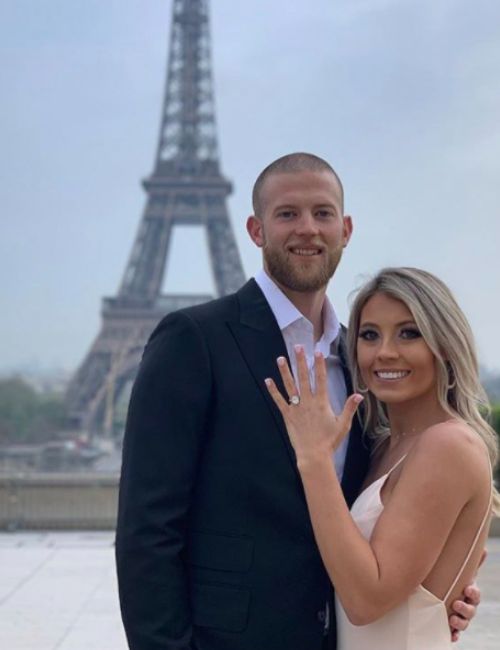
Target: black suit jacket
[(214, 547)]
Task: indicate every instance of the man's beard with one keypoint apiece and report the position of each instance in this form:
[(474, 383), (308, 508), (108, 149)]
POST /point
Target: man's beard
[(289, 272)]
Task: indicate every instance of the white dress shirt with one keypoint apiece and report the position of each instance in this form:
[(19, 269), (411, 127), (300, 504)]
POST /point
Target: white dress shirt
[(297, 329)]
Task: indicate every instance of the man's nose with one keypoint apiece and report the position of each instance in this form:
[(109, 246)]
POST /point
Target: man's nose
[(307, 224)]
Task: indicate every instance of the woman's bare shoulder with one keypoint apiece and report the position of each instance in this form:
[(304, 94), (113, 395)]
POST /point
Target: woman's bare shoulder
[(453, 445), (452, 434)]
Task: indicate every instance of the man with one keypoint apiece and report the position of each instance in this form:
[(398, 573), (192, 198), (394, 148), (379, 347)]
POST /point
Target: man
[(215, 550)]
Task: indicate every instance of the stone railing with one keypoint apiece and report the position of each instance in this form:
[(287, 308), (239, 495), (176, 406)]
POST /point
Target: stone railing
[(58, 501), (68, 502)]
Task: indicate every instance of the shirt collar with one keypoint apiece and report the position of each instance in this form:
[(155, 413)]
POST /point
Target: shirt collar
[(286, 313), (331, 325)]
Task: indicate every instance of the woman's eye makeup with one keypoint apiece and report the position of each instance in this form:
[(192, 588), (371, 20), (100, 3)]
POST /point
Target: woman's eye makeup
[(367, 334), (410, 333)]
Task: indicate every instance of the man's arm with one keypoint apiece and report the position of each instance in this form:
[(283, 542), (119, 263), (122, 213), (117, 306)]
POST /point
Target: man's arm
[(163, 439)]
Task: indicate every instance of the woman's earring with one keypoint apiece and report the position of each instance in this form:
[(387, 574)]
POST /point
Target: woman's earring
[(361, 389), (452, 380)]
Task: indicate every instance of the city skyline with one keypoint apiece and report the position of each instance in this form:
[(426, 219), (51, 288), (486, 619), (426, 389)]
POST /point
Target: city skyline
[(401, 99)]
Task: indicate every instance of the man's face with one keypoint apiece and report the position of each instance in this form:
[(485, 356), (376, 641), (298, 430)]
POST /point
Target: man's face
[(302, 230)]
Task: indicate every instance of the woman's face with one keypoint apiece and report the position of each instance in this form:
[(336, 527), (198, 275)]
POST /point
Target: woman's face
[(395, 362)]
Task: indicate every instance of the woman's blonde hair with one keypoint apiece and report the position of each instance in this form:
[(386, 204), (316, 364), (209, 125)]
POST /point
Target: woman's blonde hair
[(447, 333)]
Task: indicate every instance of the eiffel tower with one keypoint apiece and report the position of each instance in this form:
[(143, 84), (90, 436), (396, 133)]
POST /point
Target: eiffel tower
[(185, 188)]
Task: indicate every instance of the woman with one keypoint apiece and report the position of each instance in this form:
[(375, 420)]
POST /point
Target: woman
[(415, 535)]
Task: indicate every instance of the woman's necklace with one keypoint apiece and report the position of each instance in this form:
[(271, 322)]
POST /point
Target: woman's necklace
[(410, 433), (404, 435)]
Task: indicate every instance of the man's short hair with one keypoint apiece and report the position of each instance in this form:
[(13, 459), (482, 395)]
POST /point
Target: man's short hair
[(289, 164)]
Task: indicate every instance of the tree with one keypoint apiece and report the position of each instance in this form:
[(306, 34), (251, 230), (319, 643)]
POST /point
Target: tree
[(495, 423), (25, 415)]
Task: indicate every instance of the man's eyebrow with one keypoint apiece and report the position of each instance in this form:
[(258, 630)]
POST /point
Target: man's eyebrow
[(330, 206), (293, 206), (284, 207)]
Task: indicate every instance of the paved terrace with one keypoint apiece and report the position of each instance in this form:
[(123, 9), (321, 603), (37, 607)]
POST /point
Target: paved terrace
[(58, 592)]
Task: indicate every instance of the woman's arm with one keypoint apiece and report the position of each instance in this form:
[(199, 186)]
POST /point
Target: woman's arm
[(371, 578)]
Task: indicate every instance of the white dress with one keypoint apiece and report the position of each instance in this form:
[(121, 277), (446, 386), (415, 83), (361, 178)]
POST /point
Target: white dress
[(419, 623)]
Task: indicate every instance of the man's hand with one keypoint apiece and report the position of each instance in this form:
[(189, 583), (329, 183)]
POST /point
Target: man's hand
[(464, 610)]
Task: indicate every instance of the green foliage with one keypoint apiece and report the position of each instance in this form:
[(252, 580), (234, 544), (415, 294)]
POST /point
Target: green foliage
[(495, 423), (495, 417), (26, 416)]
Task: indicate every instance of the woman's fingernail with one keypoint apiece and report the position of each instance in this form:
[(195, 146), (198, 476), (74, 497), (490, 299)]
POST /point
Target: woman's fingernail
[(298, 347), (318, 354), (267, 382), (281, 361), (358, 399)]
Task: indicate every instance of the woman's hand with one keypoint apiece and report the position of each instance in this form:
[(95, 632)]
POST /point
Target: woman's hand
[(314, 429)]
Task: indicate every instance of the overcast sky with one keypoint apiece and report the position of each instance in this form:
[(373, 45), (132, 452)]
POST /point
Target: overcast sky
[(401, 96)]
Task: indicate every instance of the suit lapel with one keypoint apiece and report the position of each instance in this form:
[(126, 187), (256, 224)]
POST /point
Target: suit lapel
[(260, 341), (358, 450)]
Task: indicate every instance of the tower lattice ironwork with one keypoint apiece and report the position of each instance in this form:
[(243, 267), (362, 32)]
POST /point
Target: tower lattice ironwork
[(185, 188)]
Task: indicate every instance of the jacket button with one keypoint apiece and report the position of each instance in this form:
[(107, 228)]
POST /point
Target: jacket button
[(321, 616)]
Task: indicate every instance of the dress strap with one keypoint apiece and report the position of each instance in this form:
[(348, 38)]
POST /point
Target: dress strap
[(474, 541), (396, 464)]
